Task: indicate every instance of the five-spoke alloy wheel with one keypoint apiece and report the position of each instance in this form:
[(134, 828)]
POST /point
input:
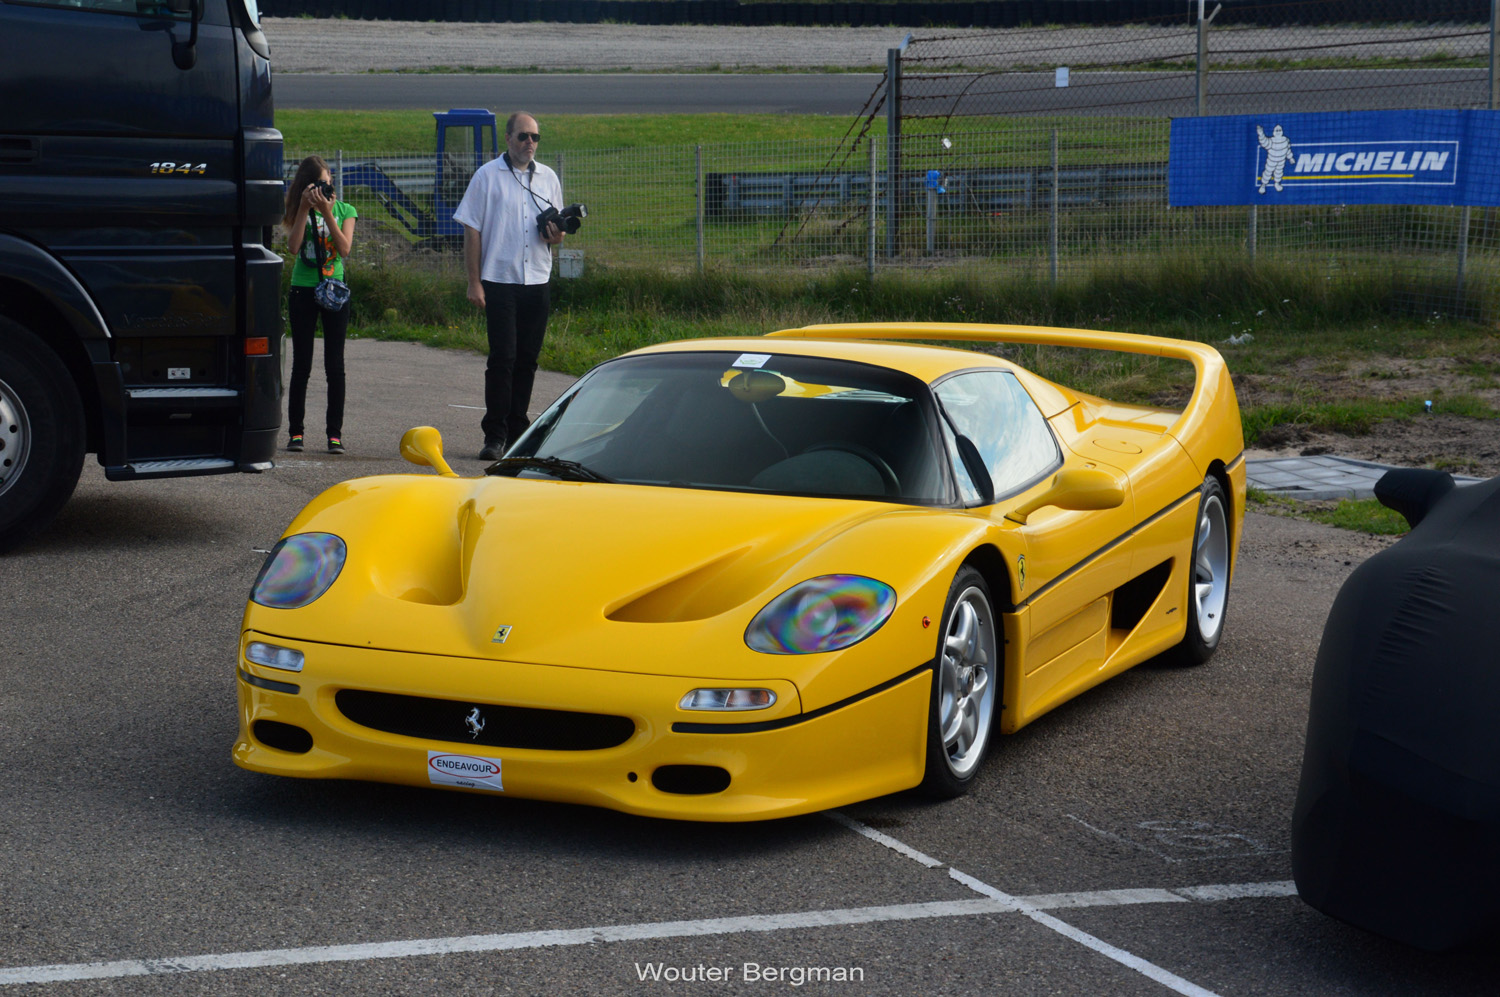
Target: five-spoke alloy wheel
[(964, 686), (1208, 577)]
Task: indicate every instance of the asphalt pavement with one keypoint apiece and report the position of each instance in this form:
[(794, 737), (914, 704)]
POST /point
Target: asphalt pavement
[(1133, 841)]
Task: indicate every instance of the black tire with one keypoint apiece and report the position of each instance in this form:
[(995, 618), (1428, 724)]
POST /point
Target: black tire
[(41, 435), (1207, 600), (965, 688)]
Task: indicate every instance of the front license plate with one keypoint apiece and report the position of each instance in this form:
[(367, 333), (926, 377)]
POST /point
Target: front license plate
[(445, 768)]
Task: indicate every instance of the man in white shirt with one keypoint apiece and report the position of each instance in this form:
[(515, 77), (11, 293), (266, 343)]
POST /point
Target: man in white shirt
[(508, 260)]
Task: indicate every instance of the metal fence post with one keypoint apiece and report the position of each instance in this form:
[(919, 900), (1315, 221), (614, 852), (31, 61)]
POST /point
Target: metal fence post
[(698, 167), (1465, 216), (931, 220), (338, 174), (1494, 82), (870, 263), (893, 146), (1052, 237), (1251, 235), (1202, 73)]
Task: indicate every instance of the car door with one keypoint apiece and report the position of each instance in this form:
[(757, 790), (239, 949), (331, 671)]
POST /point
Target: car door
[(1073, 560)]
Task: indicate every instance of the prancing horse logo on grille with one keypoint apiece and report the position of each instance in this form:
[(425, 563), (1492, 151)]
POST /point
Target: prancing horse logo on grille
[(475, 722)]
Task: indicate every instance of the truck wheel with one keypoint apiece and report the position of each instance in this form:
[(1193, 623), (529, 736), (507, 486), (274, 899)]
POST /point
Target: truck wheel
[(41, 434)]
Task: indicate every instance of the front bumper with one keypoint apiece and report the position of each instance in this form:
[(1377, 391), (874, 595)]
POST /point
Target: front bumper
[(872, 746)]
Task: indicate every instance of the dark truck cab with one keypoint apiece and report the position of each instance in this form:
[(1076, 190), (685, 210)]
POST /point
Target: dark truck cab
[(140, 313)]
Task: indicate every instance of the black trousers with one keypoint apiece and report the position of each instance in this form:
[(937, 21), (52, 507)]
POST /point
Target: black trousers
[(515, 317), (302, 315)]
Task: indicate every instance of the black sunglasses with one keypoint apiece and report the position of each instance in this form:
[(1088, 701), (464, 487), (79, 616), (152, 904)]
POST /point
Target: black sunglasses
[(528, 136)]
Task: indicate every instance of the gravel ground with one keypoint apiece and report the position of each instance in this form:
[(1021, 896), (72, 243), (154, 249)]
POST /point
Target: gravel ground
[(307, 45), (304, 45)]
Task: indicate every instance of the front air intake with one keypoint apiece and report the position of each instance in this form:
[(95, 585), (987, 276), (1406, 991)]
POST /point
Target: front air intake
[(282, 737), (690, 780), (472, 723)]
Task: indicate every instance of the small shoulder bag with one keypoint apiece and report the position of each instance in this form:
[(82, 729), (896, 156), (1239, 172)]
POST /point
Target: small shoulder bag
[(330, 294)]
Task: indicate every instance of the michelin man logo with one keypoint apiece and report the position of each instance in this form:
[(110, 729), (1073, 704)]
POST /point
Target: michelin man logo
[(1278, 153)]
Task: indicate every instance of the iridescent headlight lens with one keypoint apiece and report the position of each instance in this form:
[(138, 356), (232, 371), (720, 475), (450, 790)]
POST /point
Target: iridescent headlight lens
[(826, 613), (298, 570)]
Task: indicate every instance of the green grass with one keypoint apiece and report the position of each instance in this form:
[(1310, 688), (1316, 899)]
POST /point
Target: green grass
[(376, 131), (1360, 515)]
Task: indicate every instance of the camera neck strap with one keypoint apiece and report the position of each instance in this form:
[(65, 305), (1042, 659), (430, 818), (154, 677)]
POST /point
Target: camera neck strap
[(527, 184), (325, 261)]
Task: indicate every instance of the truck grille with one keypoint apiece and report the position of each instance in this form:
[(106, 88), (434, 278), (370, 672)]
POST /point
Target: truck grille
[(455, 720)]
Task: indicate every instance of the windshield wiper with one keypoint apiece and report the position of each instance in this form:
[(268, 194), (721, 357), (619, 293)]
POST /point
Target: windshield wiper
[(566, 470)]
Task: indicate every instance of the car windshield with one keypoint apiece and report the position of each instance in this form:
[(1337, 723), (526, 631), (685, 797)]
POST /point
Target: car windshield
[(774, 423)]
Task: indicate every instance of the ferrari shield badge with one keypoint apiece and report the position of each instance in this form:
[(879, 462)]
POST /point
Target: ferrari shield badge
[(501, 635), (1021, 573)]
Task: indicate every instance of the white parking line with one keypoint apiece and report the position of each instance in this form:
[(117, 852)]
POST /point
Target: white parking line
[(884, 839), (993, 902), (1032, 907)]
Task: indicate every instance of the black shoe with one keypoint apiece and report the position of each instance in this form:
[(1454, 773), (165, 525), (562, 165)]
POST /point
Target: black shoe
[(294, 444), (335, 445), (493, 450)]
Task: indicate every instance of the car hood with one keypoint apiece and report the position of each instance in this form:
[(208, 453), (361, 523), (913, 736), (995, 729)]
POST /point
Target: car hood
[(601, 576)]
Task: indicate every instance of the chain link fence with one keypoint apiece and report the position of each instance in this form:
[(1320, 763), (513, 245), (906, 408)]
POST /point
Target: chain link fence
[(1036, 154)]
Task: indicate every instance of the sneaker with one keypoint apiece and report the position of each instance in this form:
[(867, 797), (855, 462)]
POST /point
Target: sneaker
[(295, 444), (335, 445), (493, 450)]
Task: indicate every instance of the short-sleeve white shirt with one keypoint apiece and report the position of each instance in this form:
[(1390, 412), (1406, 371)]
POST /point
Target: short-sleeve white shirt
[(501, 204)]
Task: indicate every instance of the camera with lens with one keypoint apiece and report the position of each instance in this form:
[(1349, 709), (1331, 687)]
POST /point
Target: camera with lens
[(324, 187), (568, 219)]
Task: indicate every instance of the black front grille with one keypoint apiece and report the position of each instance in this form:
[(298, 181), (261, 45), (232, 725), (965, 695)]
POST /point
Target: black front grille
[(498, 726)]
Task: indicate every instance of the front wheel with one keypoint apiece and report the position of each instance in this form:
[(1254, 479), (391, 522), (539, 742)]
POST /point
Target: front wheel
[(967, 674), (41, 434), (1208, 578)]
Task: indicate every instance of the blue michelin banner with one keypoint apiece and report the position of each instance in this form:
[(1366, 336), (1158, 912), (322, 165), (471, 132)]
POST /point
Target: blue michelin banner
[(1354, 157)]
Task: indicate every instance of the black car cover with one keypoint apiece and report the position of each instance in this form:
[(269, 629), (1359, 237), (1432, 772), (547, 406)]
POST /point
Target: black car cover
[(1397, 823)]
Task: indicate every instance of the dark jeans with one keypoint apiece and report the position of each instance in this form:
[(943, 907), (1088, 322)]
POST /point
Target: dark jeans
[(516, 319), (302, 315)]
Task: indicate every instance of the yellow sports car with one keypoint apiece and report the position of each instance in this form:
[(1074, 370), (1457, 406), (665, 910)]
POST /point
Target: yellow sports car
[(732, 579)]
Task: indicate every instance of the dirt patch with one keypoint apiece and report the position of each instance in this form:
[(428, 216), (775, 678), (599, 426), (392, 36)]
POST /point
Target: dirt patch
[(1441, 440), (1448, 442)]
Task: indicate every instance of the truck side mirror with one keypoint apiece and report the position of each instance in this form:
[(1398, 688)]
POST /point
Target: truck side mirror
[(185, 53)]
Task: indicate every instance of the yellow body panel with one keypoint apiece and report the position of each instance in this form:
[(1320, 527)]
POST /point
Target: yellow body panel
[(618, 599), (866, 749)]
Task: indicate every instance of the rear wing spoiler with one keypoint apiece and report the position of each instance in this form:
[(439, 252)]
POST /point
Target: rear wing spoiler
[(1200, 428)]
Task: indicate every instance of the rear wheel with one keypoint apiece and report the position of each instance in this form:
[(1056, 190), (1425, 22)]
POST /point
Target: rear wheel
[(967, 674), (41, 434), (1208, 578)]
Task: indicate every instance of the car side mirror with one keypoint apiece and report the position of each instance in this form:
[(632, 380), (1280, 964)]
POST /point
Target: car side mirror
[(423, 446), (1078, 489)]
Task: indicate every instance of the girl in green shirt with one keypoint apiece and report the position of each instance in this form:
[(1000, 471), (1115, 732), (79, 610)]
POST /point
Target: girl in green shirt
[(320, 232)]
